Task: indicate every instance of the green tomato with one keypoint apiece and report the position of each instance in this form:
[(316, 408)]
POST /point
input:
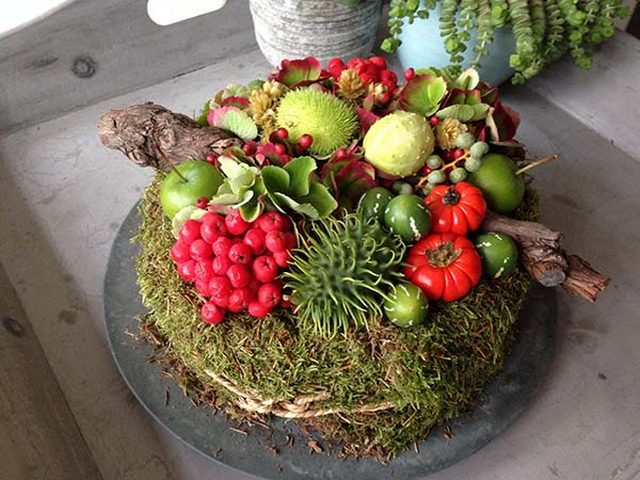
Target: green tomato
[(406, 305), (373, 203), (499, 254), (407, 217)]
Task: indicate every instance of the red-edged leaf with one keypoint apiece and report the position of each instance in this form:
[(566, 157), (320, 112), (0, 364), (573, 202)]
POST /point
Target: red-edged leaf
[(239, 102), (349, 180), (366, 118), (216, 116), (423, 94), (502, 122), (488, 93), (293, 72)]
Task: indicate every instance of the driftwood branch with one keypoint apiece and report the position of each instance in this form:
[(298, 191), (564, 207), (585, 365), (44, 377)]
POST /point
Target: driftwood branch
[(152, 136), (544, 258)]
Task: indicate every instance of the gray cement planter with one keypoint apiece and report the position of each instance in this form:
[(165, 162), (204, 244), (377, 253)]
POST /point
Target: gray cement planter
[(322, 28)]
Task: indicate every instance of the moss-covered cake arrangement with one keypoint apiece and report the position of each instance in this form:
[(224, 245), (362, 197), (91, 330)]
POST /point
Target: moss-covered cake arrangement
[(331, 246)]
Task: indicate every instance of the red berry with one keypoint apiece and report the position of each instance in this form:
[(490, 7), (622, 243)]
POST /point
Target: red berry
[(211, 217), (356, 63), (368, 77), (220, 265), (282, 258), (384, 98), (270, 294), (190, 231), (291, 240), (379, 62), (239, 299), (265, 268), (202, 287), (282, 133), (180, 252), (335, 67), (221, 246), (236, 225), (285, 159), (433, 121), (457, 153), (200, 250), (280, 149), (186, 270), (250, 148), (257, 309), (240, 253), (238, 275), (203, 270), (276, 241), (211, 158), (341, 154), (255, 239), (202, 202), (409, 73), (305, 141), (254, 286), (220, 301), (389, 76), (273, 221), (219, 286), (212, 313)]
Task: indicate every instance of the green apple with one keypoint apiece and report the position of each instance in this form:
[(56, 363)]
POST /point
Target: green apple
[(503, 189), (187, 183)]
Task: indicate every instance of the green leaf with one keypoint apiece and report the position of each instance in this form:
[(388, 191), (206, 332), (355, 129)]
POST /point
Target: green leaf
[(299, 170), (321, 199), (464, 113), (304, 208), (202, 118), (468, 80), (241, 124), (226, 196), (423, 94), (480, 111), (275, 179), (252, 210)]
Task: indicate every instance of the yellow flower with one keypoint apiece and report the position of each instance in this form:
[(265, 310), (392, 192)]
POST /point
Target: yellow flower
[(350, 87), (447, 132)]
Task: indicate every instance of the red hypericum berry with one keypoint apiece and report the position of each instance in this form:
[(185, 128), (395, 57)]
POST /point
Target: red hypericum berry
[(239, 299), (236, 225), (238, 275), (368, 77), (409, 74), (282, 133), (282, 258), (257, 309), (211, 158), (280, 149), (379, 62), (335, 67), (220, 265), (265, 268), (180, 252), (425, 171), (389, 76), (210, 232), (276, 241), (255, 239), (270, 294), (203, 270), (284, 159), (211, 217), (190, 231), (291, 240), (221, 246), (341, 154), (384, 98), (457, 153), (240, 253), (202, 287), (186, 270), (305, 141), (200, 250), (202, 203), (219, 286), (250, 148), (433, 121), (212, 313), (273, 221)]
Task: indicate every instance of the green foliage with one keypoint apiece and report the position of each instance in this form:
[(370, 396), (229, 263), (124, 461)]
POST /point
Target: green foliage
[(543, 29), (340, 273)]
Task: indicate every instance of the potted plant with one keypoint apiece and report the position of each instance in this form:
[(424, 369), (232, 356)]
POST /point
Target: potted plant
[(322, 28), (499, 37)]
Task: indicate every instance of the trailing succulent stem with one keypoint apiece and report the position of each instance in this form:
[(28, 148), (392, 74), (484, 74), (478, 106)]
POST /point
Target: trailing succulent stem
[(341, 272), (543, 29)]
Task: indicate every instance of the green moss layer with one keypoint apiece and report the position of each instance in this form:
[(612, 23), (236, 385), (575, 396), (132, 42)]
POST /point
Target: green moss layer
[(431, 372)]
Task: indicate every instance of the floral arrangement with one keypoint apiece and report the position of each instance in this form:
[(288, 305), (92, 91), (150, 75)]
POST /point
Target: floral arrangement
[(330, 242), (543, 29)]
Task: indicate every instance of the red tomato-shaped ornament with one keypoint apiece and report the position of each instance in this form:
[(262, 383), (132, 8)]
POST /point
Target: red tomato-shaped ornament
[(445, 266), (457, 209)]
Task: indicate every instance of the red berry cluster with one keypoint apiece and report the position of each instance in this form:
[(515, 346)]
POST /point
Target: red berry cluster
[(370, 70), (234, 263)]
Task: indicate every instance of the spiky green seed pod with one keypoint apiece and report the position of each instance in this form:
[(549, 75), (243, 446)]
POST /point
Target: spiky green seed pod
[(329, 120), (340, 273)]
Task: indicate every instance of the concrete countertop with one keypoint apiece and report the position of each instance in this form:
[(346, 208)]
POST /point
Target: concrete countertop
[(63, 197)]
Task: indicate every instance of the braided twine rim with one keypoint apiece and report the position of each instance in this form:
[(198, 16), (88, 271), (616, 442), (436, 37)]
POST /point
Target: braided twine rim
[(301, 407)]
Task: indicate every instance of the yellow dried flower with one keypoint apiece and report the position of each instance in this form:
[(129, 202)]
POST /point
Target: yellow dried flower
[(262, 104), (447, 132), (350, 86)]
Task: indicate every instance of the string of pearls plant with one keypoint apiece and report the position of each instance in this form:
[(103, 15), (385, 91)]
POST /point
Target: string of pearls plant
[(543, 29)]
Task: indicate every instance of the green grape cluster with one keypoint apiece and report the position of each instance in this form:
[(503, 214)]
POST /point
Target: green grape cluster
[(543, 29), (458, 169)]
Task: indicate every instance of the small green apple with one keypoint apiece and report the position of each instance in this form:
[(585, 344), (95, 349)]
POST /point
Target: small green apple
[(498, 180), (192, 180)]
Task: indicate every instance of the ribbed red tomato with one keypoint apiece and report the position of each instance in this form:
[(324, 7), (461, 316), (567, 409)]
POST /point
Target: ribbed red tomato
[(458, 208), (445, 266)]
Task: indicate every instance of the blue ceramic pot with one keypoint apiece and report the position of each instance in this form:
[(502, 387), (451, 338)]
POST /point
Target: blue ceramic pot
[(422, 46)]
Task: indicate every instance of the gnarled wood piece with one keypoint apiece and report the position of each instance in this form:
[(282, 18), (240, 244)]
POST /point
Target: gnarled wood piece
[(544, 258), (152, 136)]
